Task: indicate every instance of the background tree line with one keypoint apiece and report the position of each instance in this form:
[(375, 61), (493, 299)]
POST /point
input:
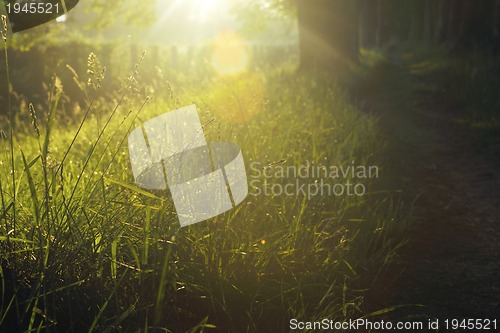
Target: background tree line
[(334, 30)]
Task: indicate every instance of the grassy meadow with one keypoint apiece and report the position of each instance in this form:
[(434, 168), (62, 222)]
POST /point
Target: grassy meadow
[(85, 250), (408, 89)]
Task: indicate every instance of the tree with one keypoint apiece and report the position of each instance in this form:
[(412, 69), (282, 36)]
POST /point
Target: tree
[(128, 11), (328, 32), (478, 26)]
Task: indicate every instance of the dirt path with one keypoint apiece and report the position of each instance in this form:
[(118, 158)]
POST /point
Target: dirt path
[(452, 260)]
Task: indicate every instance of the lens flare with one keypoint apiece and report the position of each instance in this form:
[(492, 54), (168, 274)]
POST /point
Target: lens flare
[(230, 54)]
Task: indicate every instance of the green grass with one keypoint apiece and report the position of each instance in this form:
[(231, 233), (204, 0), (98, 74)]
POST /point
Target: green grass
[(84, 249)]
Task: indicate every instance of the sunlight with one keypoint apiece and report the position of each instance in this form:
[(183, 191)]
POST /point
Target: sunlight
[(206, 10), (166, 10)]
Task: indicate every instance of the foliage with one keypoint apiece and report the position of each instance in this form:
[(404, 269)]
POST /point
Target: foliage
[(260, 19), (130, 12)]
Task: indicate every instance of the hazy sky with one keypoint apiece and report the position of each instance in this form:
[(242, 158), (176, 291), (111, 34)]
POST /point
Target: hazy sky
[(191, 21), (182, 22)]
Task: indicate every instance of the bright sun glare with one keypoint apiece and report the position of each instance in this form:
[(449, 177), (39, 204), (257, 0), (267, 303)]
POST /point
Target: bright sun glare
[(204, 10), (210, 23)]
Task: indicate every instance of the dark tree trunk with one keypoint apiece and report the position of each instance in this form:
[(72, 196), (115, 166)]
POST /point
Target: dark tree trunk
[(427, 37), (475, 31), (495, 31), (456, 21), (328, 32), (421, 20), (380, 23), (447, 14), (369, 22)]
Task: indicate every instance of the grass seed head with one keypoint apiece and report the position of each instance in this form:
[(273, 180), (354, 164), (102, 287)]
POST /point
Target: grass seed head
[(34, 119), (95, 70), (4, 28)]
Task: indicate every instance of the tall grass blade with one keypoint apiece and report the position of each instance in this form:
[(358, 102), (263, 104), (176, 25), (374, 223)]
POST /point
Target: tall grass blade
[(106, 303)]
